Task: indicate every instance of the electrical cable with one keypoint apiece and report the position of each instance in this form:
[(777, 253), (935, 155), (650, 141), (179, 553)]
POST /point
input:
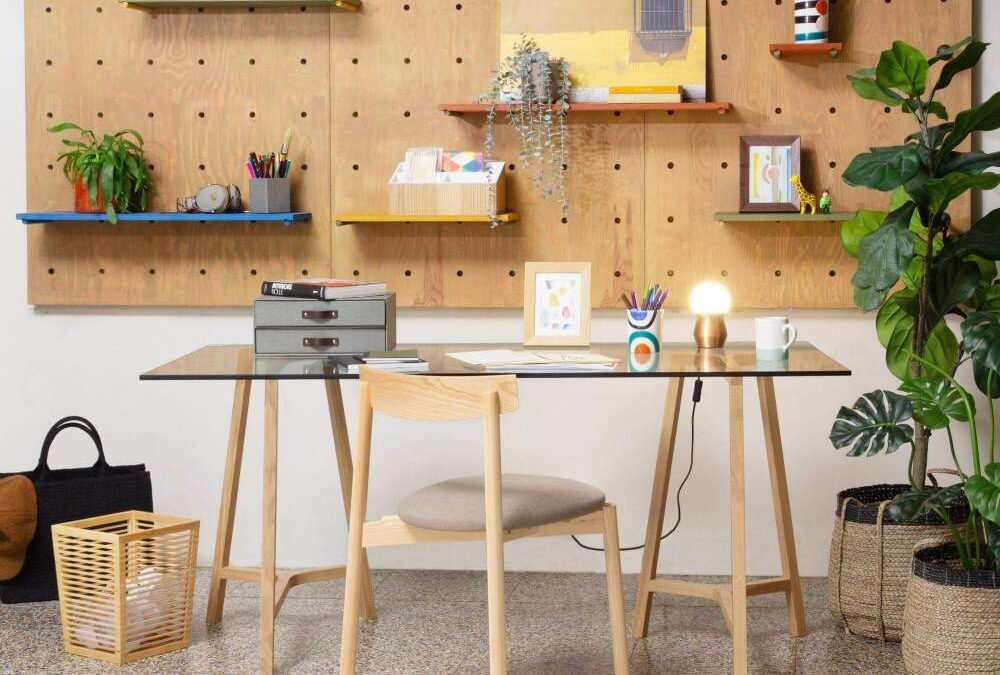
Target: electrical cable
[(696, 399)]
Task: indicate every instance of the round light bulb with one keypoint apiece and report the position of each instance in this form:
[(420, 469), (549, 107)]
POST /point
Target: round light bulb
[(710, 297)]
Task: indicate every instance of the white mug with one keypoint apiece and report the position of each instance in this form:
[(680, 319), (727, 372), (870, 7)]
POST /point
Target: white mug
[(774, 335)]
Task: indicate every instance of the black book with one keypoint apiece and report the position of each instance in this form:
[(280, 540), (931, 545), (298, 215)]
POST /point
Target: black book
[(322, 289)]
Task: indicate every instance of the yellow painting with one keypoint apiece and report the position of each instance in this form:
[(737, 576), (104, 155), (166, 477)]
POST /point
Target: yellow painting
[(616, 43)]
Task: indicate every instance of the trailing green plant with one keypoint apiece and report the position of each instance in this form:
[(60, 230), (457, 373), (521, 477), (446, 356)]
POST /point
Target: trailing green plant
[(883, 421), (113, 166), (536, 88), (914, 267)]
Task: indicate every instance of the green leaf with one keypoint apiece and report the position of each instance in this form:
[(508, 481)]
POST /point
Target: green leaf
[(916, 503), (981, 339), (982, 239), (935, 134), (984, 492), (934, 403), (868, 299), (937, 109), (969, 162), (942, 191), (876, 423), (903, 68), (886, 252), (945, 52), (867, 88), (967, 59), (913, 274), (954, 283), (989, 386), (64, 126), (857, 228), (984, 117), (896, 328), (884, 169)]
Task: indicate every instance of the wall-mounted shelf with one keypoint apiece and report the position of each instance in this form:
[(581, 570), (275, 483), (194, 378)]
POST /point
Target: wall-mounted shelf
[(720, 107), (164, 217), (779, 50), (358, 218), (153, 5), (784, 217)]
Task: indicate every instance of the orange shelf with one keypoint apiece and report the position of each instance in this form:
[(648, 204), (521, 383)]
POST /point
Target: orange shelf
[(720, 107), (779, 50)]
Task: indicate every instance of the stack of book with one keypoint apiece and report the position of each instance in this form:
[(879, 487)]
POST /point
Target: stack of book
[(514, 361), (308, 317), (399, 361)]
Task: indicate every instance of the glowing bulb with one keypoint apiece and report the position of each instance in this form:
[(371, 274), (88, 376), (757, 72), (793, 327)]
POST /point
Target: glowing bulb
[(710, 298)]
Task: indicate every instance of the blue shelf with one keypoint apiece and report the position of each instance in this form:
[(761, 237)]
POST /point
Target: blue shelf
[(167, 217)]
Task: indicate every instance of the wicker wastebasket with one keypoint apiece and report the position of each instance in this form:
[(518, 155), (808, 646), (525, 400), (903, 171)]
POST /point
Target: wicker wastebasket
[(870, 557), (951, 625), (126, 583)]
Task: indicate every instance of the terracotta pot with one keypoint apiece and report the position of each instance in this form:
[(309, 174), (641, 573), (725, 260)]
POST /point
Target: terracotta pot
[(82, 199)]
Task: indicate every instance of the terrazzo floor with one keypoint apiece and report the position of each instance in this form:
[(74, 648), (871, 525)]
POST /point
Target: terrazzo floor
[(435, 623)]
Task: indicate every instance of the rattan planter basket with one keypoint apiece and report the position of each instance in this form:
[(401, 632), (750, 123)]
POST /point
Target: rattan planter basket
[(126, 583), (952, 617), (870, 559)]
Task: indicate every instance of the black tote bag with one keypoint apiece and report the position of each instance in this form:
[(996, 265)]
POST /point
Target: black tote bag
[(71, 494)]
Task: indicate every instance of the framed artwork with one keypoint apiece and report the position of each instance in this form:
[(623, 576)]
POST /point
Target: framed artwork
[(557, 304), (767, 164)]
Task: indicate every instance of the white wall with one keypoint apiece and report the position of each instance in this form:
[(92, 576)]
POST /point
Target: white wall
[(57, 362)]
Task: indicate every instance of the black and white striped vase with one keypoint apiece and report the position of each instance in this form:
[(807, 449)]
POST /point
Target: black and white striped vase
[(812, 21)]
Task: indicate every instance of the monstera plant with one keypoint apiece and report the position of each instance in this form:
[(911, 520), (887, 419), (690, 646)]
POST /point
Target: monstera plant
[(914, 265)]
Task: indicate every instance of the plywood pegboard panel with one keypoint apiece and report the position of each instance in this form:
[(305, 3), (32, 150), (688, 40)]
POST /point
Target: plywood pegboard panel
[(643, 186), (203, 88)]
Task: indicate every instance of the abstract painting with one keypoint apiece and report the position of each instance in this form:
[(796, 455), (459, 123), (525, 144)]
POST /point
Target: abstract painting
[(557, 304), (767, 164)]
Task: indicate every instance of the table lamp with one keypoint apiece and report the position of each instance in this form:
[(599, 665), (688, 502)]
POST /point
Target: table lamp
[(710, 301)]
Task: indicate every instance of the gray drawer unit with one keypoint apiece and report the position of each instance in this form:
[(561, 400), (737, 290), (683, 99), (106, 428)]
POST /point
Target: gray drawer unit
[(269, 312), (321, 341)]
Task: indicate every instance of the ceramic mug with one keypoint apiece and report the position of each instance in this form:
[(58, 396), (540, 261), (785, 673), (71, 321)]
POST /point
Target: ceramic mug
[(774, 335), (644, 334)]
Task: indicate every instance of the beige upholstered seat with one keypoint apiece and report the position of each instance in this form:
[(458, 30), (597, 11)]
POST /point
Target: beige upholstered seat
[(459, 505)]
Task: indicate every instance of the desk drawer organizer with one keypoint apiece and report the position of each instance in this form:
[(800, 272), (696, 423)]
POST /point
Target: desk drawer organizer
[(294, 327), (126, 582)]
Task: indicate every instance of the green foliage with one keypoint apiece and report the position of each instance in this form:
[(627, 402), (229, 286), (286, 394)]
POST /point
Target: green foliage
[(903, 68), (920, 502), (983, 492), (983, 239), (853, 231), (114, 166), (876, 423), (935, 402), (886, 252), (896, 327), (884, 169)]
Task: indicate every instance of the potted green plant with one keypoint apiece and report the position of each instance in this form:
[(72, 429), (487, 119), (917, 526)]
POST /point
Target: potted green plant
[(916, 269), (535, 87), (108, 174), (951, 619)]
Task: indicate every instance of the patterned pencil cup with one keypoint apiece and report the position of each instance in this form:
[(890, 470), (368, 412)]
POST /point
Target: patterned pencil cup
[(812, 21), (126, 583), (270, 195), (644, 330)]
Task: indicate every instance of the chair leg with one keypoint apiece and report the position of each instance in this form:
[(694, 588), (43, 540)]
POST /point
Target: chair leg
[(497, 607), (353, 592), (616, 599)]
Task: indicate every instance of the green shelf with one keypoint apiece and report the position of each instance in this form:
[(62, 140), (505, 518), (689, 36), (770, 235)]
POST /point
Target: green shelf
[(723, 217)]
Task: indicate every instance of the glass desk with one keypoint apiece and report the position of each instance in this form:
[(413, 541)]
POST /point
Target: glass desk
[(675, 362)]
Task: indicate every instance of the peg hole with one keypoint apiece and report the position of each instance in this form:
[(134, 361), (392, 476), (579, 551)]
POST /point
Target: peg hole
[(459, 273), (618, 273), (407, 273), (202, 271), (512, 273), (52, 270), (357, 273), (777, 273)]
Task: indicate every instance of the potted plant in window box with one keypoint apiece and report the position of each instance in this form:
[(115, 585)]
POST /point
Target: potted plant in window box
[(915, 268), (109, 174)]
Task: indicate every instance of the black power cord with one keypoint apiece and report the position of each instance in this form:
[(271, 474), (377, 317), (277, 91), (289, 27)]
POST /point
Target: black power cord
[(696, 399)]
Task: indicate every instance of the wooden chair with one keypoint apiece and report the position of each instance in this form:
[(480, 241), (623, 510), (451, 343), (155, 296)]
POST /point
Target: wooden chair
[(496, 508)]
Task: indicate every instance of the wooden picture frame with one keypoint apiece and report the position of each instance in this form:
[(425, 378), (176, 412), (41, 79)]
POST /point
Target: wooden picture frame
[(569, 281), (785, 196)]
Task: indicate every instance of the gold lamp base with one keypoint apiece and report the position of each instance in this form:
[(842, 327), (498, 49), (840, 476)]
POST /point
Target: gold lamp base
[(710, 331)]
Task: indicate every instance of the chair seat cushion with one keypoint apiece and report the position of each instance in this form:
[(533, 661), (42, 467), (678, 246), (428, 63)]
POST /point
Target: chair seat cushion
[(459, 505)]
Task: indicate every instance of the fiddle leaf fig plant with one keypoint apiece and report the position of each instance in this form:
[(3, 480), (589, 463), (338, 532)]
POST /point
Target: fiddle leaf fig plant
[(113, 166), (535, 87), (914, 266)]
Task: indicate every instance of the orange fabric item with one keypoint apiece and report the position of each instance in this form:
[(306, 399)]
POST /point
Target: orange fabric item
[(18, 519)]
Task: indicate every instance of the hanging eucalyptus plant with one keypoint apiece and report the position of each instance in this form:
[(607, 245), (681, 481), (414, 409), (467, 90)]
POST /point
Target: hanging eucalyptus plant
[(534, 89), (914, 267)]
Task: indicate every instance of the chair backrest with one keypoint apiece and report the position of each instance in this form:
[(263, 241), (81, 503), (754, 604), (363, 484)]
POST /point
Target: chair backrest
[(425, 397)]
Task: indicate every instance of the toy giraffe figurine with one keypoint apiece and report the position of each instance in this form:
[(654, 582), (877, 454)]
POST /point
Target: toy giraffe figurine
[(806, 198)]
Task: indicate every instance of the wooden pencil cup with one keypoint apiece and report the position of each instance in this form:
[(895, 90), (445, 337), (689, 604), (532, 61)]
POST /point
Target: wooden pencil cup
[(126, 583)]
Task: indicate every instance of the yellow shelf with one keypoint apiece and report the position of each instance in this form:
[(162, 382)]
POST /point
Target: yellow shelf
[(153, 5), (356, 218)]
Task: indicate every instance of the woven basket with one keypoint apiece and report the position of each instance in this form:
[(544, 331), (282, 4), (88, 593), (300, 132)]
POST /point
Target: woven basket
[(952, 618), (870, 559), (126, 583)]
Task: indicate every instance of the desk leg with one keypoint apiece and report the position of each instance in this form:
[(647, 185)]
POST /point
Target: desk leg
[(657, 506), (342, 446), (737, 532), (227, 508), (782, 507), (268, 529)]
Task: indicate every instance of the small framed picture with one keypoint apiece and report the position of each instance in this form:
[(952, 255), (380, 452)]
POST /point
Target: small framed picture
[(767, 164), (557, 304)]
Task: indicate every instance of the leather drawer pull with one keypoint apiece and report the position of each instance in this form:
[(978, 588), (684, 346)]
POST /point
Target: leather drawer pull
[(320, 315), (321, 342)]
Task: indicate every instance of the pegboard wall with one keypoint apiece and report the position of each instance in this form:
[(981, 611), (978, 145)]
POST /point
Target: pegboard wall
[(206, 86)]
